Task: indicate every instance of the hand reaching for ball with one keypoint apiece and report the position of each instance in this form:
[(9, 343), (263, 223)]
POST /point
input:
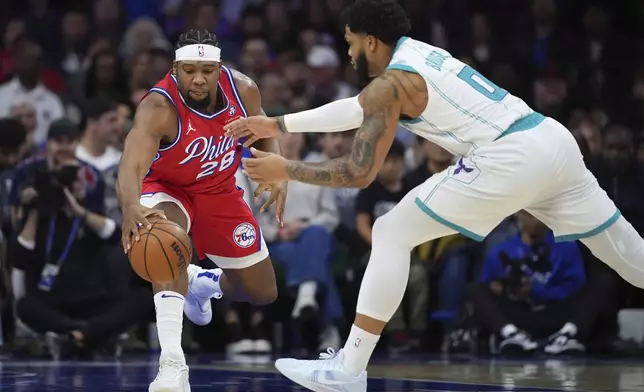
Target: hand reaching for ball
[(134, 217)]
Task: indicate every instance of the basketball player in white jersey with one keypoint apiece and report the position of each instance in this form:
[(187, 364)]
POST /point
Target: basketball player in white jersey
[(513, 158)]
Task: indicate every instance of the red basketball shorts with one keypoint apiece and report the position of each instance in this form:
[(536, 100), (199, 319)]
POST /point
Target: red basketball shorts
[(223, 229)]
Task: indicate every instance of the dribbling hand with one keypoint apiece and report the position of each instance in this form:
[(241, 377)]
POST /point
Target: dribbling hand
[(135, 217), (254, 128)]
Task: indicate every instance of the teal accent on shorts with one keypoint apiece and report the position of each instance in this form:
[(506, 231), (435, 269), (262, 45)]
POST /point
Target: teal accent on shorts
[(403, 67), (593, 232), (447, 223), (523, 124)]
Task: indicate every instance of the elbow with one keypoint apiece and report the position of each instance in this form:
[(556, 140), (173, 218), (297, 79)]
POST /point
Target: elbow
[(363, 181)]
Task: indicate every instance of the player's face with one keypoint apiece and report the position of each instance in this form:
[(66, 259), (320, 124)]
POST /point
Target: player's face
[(359, 44), (197, 82)]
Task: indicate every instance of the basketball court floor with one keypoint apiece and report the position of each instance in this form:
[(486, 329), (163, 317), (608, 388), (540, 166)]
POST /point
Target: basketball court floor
[(248, 374)]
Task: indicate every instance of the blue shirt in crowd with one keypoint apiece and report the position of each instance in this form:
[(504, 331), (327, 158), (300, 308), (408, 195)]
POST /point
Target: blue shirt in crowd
[(555, 276)]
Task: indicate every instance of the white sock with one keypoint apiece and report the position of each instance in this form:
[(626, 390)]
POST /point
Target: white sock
[(358, 350), (169, 309), (305, 297)]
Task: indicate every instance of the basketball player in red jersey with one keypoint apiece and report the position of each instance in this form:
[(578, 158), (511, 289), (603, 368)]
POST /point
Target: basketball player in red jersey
[(178, 164)]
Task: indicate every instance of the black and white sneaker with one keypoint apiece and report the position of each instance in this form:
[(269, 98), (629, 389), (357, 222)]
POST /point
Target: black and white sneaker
[(518, 343), (564, 344)]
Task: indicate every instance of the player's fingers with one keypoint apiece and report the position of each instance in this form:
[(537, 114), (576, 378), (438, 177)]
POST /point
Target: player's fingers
[(125, 240), (279, 210), (268, 203), (251, 140), (235, 126), (142, 221), (156, 212), (249, 162), (261, 188)]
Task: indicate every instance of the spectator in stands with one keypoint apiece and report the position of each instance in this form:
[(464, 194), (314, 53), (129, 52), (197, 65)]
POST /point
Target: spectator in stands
[(26, 86), (334, 145), (75, 58), (531, 286), (60, 251), (101, 134), (161, 59), (619, 174), (105, 78), (373, 202), (383, 194), (25, 112), (12, 139), (304, 247), (325, 68)]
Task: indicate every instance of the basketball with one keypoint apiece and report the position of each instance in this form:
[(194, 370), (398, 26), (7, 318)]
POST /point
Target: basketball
[(162, 252)]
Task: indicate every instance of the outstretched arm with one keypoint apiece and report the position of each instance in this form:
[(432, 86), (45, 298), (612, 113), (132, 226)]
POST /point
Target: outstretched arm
[(381, 102), (337, 116)]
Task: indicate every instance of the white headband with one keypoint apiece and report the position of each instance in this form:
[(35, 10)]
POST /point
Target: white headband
[(198, 52)]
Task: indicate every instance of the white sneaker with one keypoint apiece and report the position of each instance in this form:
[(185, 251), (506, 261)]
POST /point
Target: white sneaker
[(173, 376), (326, 374), (243, 346), (202, 286)]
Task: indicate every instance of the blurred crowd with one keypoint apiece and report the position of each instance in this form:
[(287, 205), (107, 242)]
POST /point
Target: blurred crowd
[(73, 72)]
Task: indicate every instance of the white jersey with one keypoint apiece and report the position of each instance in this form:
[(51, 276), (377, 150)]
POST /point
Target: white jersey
[(465, 110)]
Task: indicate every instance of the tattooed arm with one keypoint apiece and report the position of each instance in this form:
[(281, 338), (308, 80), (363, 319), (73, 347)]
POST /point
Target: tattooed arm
[(382, 101)]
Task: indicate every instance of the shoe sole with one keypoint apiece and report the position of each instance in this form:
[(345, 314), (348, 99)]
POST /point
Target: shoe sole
[(306, 383)]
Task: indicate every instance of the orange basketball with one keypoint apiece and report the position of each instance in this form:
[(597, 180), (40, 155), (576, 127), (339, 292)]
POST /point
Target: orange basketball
[(162, 252)]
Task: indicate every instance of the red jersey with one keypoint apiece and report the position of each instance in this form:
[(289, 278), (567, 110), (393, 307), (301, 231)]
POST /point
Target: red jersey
[(201, 159)]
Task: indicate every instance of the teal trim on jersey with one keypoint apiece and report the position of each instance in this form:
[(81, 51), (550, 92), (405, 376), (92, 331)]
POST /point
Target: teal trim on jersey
[(401, 40), (403, 67), (447, 223), (593, 232), (523, 124), (410, 121)]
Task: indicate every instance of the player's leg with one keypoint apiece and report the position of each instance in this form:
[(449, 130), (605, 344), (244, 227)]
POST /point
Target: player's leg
[(576, 208), (383, 286), (471, 198), (231, 238), (585, 212), (169, 301)]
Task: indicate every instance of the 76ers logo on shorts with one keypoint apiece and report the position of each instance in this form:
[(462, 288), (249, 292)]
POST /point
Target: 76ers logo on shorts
[(244, 235)]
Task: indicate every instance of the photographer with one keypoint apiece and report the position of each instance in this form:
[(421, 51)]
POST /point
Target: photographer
[(532, 286), (61, 248)]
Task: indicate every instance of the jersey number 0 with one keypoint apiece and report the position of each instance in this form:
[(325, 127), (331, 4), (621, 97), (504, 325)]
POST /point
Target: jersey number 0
[(482, 84)]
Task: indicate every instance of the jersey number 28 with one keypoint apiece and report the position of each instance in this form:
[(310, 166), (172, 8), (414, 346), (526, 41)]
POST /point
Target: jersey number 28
[(482, 84), (209, 168)]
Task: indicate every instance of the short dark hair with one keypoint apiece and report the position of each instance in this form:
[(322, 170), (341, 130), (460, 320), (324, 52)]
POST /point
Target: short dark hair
[(397, 150), (97, 107), (12, 133), (384, 19), (194, 37)]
